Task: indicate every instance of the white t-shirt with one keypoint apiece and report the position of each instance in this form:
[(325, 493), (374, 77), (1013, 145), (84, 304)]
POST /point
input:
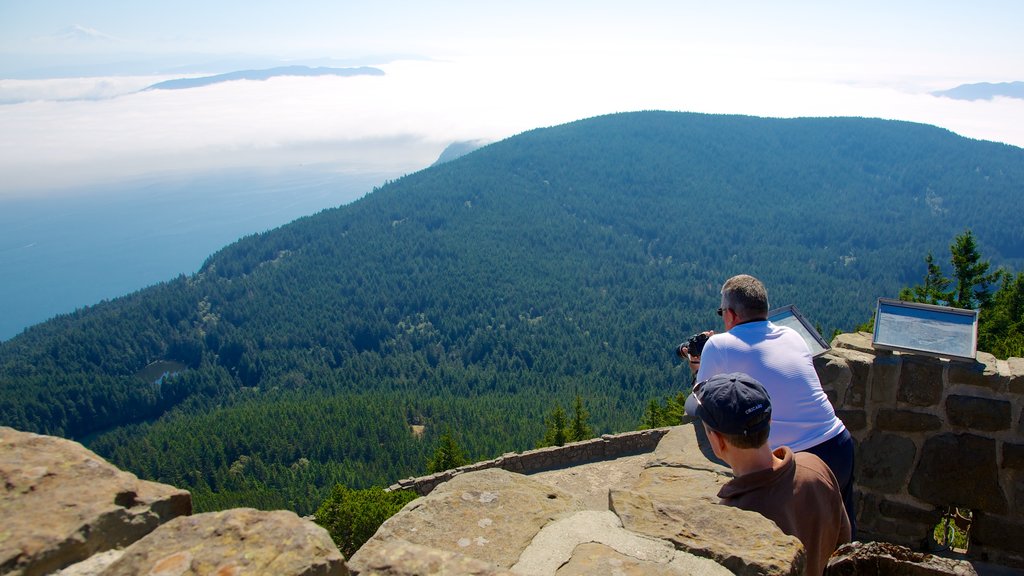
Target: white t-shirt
[(778, 358)]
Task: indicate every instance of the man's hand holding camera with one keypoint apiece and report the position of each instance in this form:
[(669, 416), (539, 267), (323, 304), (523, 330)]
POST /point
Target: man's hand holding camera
[(692, 348)]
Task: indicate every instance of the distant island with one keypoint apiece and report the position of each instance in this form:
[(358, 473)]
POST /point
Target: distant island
[(984, 91), (458, 149), (266, 74)]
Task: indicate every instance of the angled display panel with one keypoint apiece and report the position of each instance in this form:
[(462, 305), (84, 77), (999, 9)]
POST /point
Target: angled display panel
[(926, 329), (790, 317)]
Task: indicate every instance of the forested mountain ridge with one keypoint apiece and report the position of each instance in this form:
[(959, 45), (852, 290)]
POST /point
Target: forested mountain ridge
[(479, 292)]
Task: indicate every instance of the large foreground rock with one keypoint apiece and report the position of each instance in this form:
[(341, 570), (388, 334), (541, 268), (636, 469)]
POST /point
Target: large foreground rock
[(742, 541), (402, 558), (883, 559), (650, 515), (61, 503), (491, 515), (234, 542), (595, 543), (675, 498)]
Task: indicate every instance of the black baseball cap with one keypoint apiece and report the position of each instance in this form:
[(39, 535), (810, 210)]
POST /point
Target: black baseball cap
[(734, 404)]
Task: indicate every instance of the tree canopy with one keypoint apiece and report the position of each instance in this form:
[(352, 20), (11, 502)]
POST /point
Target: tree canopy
[(480, 293)]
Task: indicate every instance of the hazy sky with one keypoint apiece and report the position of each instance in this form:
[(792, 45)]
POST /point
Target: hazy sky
[(70, 71)]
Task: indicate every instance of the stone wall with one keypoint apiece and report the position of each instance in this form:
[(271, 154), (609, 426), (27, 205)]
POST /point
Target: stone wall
[(931, 434), (553, 457)]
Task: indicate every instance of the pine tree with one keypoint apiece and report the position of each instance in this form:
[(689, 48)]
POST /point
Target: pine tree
[(447, 455), (580, 428), (971, 273), (556, 432), (1001, 327), (935, 289)]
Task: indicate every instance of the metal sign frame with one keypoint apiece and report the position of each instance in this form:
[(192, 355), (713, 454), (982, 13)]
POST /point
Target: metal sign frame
[(791, 317), (939, 331)]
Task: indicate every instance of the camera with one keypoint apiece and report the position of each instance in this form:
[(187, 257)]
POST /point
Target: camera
[(695, 345)]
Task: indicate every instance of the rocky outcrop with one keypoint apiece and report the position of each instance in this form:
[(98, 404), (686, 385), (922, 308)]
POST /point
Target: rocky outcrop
[(675, 499), (239, 541), (660, 518), (880, 558), (491, 515), (63, 508), (61, 504)]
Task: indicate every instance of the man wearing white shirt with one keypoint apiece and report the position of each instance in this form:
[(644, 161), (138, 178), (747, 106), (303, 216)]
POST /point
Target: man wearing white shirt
[(779, 359)]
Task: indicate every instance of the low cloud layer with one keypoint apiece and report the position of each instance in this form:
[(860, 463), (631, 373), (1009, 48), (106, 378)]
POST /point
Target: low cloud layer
[(56, 134)]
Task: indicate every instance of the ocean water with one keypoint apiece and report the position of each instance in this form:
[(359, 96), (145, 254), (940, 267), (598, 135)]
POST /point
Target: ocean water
[(60, 252)]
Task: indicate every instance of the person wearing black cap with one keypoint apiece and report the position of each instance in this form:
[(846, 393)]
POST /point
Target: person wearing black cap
[(796, 491), (804, 419)]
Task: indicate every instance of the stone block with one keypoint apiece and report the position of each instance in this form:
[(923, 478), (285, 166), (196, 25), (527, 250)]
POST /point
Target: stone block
[(833, 372), (996, 531), (983, 373), (491, 515), (884, 462), (976, 413), (1018, 495), (856, 393), (877, 558), (681, 448), (859, 341), (885, 379), (903, 533), (595, 543), (860, 373), (593, 559), (237, 541), (867, 510), (920, 381), (672, 484), (854, 420), (960, 470), (1016, 377), (906, 421), (1013, 456), (401, 558), (908, 513), (745, 542)]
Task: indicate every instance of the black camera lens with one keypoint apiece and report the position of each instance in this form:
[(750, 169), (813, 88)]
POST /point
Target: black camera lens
[(696, 343)]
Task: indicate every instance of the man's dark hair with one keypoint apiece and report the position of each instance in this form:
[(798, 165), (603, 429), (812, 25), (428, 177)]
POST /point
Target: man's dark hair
[(746, 296), (752, 440)]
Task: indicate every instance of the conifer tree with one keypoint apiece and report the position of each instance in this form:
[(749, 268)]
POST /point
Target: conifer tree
[(971, 273), (580, 428), (556, 432), (1001, 327), (447, 455), (935, 289)]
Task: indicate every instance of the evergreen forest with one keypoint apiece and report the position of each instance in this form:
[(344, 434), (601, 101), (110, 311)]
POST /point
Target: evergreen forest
[(557, 268)]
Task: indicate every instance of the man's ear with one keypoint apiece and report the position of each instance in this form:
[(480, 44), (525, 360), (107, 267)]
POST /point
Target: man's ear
[(717, 440)]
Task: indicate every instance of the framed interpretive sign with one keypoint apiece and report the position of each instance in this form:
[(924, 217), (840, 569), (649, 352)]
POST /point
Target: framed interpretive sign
[(791, 317), (926, 329)]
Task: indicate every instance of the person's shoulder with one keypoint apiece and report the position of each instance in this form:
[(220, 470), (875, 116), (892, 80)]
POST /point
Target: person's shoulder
[(816, 467)]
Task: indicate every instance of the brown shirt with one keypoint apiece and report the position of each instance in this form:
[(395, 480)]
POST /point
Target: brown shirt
[(801, 495)]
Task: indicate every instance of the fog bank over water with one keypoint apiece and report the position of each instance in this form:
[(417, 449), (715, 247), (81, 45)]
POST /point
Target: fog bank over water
[(59, 254)]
